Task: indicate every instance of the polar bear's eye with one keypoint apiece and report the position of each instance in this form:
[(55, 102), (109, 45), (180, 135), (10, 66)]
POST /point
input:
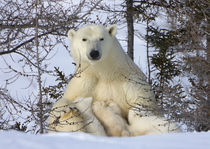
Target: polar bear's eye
[(84, 39), (101, 39)]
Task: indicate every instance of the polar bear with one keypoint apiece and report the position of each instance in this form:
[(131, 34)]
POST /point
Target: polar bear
[(105, 73), (75, 116)]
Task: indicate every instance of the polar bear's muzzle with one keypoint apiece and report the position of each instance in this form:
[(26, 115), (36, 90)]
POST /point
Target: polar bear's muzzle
[(94, 55)]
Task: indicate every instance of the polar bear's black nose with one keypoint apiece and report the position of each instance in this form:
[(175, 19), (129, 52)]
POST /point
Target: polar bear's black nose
[(95, 55)]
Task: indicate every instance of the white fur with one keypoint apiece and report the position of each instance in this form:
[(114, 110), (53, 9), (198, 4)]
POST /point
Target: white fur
[(114, 77), (149, 124), (87, 120), (93, 126), (64, 117), (110, 116), (139, 123)]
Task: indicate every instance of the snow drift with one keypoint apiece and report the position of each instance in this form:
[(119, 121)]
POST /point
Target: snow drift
[(18, 140)]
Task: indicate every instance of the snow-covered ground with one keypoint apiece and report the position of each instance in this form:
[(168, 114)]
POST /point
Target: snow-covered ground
[(17, 140)]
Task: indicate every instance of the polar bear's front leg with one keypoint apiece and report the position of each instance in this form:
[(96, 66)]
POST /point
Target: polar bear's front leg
[(109, 115), (80, 86)]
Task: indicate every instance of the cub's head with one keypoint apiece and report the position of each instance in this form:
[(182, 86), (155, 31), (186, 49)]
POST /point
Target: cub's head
[(91, 43)]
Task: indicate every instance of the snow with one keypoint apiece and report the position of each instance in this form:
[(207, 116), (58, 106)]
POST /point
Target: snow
[(18, 140)]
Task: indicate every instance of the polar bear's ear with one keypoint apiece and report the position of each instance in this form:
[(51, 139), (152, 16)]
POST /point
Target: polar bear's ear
[(71, 33), (112, 29)]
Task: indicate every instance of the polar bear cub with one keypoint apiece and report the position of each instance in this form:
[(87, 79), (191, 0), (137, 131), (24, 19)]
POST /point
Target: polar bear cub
[(75, 116), (93, 126), (139, 122), (109, 114)]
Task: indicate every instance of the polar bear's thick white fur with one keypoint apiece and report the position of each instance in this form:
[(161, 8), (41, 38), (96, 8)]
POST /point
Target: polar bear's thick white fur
[(64, 117), (75, 116), (105, 73), (109, 74), (92, 125), (111, 117), (139, 122)]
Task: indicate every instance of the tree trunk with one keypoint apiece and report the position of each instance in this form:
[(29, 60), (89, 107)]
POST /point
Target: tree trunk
[(130, 27), (148, 57), (208, 63), (40, 103), (208, 45)]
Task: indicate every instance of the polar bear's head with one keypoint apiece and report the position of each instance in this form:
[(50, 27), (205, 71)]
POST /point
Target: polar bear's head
[(91, 43)]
